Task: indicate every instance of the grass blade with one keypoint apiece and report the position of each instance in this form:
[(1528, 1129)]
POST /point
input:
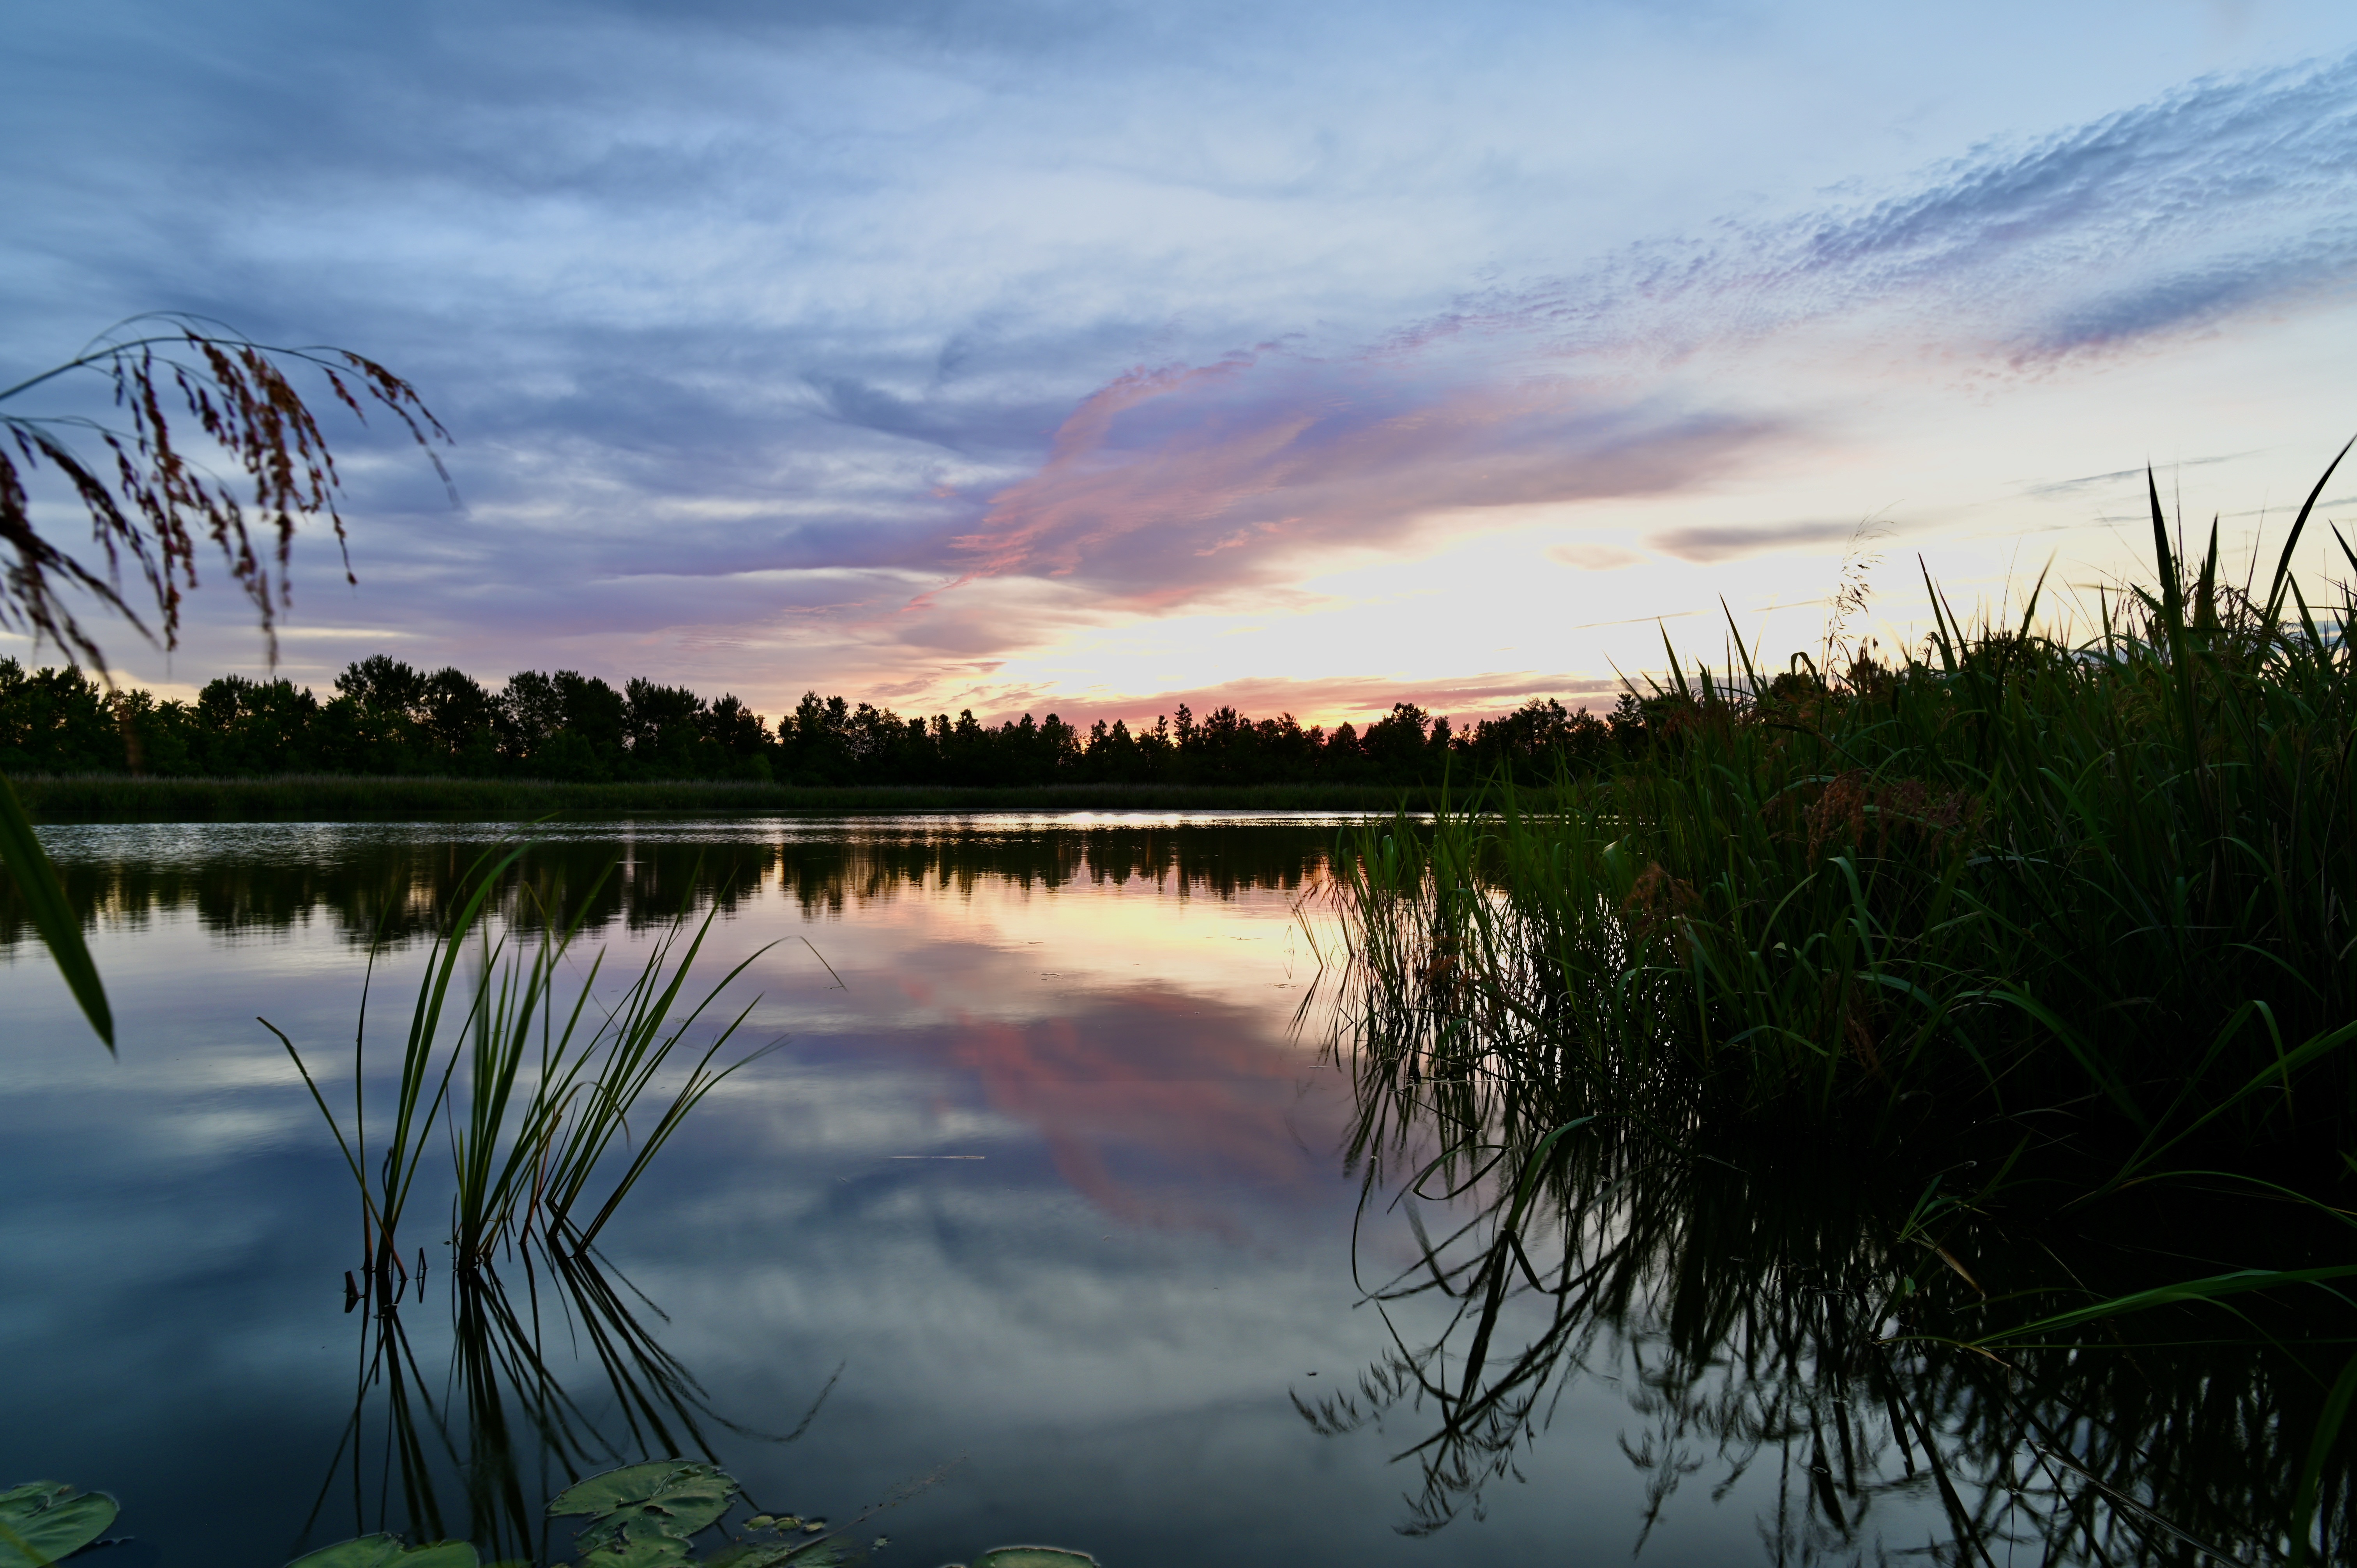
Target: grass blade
[(53, 916)]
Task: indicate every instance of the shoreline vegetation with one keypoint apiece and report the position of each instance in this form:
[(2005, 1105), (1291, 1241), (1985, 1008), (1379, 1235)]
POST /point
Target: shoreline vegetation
[(2023, 971), (388, 720), (101, 798), (2091, 891)]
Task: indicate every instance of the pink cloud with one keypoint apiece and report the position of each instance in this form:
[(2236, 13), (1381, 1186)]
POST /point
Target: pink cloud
[(1155, 1118), (1355, 699), (1171, 485)]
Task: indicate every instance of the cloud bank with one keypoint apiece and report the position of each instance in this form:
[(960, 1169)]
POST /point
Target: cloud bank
[(1179, 482), (873, 347)]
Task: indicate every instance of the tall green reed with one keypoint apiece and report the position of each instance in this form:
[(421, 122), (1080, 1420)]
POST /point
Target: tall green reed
[(548, 1087), (2096, 889), (2077, 904)]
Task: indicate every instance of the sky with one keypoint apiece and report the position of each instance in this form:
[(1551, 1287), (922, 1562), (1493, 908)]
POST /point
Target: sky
[(1094, 358)]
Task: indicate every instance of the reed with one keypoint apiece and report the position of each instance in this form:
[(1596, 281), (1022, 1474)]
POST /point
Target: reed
[(2071, 906), (532, 1092), (2092, 889)]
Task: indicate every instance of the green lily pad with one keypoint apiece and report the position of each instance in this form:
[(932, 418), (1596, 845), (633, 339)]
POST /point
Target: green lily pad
[(386, 1551), (652, 1550), (776, 1554), (41, 1521), (1033, 1557), (628, 1539), (680, 1496)]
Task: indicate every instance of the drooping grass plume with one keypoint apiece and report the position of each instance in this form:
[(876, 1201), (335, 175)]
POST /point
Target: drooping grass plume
[(152, 498)]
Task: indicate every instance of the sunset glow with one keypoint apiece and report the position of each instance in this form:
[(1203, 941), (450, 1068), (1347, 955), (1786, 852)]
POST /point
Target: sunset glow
[(1095, 360)]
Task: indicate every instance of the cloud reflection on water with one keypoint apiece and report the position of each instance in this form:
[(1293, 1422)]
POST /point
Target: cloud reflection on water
[(1105, 1316)]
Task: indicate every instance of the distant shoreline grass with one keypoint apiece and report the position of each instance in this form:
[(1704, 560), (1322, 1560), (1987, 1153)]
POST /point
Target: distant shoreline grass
[(339, 798)]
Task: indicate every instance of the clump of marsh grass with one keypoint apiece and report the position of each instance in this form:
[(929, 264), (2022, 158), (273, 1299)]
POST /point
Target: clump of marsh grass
[(534, 1092), (2102, 891)]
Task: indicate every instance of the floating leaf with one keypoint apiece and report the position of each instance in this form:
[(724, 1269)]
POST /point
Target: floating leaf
[(645, 1483), (41, 1521), (650, 1549), (775, 1553), (385, 1550), (1033, 1557), (630, 1539), (441, 1555), (680, 1496)]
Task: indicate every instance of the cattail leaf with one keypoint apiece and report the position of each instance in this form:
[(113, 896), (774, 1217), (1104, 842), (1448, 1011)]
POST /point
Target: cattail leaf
[(53, 916)]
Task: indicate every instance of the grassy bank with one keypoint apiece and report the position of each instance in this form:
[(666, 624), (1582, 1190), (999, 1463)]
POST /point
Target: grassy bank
[(2092, 891), (330, 798), (1971, 1033)]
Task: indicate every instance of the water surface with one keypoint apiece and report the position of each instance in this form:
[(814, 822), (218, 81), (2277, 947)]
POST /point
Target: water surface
[(1039, 1216)]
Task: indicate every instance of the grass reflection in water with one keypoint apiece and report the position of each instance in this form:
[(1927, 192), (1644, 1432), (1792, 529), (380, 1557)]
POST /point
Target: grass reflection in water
[(1893, 1362), (471, 1450), (1912, 1011)]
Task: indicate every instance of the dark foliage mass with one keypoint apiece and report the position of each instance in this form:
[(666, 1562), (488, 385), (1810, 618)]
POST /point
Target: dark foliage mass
[(388, 718)]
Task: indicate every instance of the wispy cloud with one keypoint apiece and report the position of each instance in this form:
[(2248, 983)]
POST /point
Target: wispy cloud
[(2228, 195), (758, 323), (1705, 543), (1173, 483), (1169, 485)]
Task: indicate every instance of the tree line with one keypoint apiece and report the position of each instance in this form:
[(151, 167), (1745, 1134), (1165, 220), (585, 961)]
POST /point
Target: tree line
[(389, 718)]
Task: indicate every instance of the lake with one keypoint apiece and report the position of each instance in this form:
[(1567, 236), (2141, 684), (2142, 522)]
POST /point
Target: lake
[(1041, 1220)]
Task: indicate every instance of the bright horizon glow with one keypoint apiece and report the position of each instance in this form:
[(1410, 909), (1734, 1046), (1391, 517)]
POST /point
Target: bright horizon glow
[(1095, 360)]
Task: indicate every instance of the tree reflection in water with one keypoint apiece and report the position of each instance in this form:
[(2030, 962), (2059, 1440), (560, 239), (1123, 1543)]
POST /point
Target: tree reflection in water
[(384, 885), (1763, 1307), (474, 1452)]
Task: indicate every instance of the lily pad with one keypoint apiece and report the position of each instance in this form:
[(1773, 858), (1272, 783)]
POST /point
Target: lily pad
[(650, 1549), (41, 1521), (776, 1554), (1033, 1557), (628, 1539), (679, 1497), (386, 1551)]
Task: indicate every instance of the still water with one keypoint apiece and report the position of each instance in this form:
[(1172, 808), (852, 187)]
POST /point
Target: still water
[(1038, 1223)]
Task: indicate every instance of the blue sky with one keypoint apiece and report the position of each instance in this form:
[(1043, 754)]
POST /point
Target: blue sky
[(1097, 357)]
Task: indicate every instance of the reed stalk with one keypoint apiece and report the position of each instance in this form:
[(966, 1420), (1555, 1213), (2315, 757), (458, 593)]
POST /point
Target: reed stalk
[(2109, 882), (533, 1091)]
